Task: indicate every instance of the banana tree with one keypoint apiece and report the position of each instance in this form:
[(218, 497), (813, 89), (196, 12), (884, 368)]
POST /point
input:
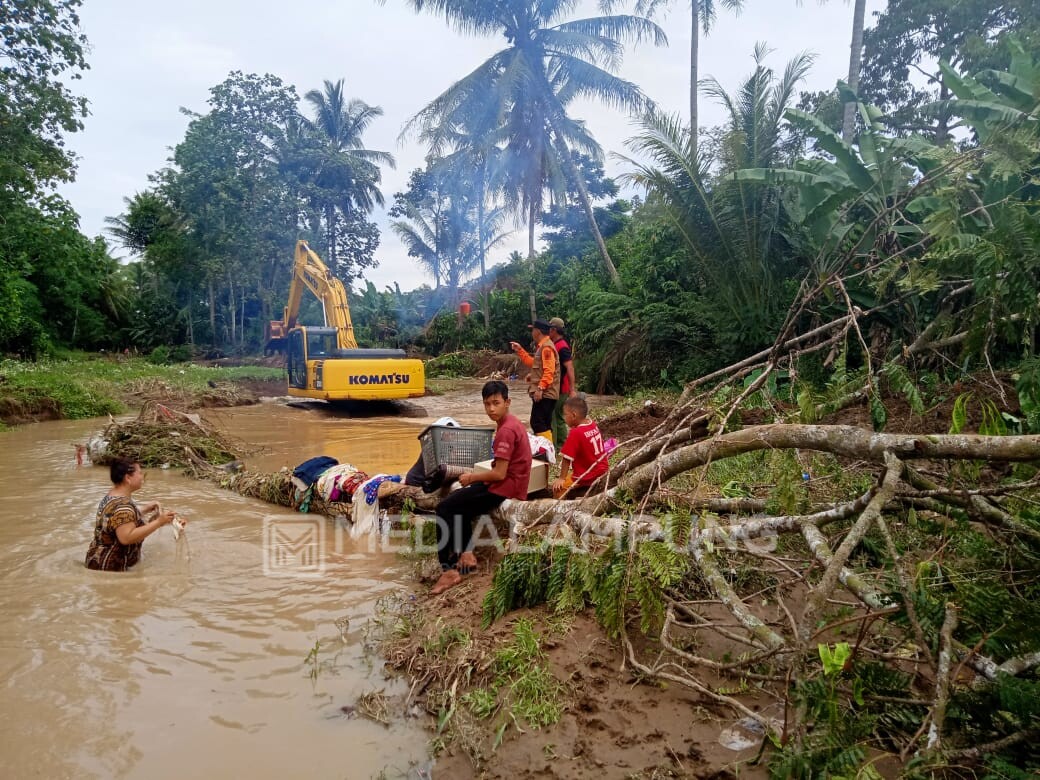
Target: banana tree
[(850, 202)]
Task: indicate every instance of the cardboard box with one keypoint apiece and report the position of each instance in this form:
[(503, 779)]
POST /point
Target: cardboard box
[(539, 474)]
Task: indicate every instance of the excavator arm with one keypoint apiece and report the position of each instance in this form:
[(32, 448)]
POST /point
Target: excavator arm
[(311, 273)]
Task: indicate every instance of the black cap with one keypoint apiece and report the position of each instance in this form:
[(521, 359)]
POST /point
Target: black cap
[(542, 325)]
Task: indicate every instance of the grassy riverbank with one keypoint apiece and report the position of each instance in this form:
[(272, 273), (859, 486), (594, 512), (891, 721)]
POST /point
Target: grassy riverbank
[(83, 385)]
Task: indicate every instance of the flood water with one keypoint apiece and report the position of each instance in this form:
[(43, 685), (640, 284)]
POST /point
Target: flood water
[(192, 664)]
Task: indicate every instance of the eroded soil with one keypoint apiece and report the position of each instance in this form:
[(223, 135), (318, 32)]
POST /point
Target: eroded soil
[(614, 724)]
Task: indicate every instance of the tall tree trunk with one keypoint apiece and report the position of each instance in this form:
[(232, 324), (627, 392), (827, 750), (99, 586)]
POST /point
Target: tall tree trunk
[(942, 127), (480, 243), (695, 23), (848, 124), (212, 312), (232, 311), (330, 223), (586, 202), (530, 231)]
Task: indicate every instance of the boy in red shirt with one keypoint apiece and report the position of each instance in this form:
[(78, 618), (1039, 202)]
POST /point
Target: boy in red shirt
[(482, 490), (584, 459)]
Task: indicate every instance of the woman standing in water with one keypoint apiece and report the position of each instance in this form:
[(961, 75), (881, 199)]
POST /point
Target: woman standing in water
[(120, 527)]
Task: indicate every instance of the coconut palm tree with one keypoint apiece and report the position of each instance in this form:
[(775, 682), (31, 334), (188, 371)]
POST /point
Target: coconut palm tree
[(848, 121), (344, 174), (548, 62), (470, 159), (702, 16)]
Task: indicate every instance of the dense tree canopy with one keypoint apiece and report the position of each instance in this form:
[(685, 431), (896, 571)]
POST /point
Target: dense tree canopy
[(910, 37), (58, 287), (41, 50), (775, 223)]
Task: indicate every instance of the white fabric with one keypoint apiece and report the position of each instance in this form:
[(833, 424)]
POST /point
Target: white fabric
[(450, 421), (363, 515), (542, 444)]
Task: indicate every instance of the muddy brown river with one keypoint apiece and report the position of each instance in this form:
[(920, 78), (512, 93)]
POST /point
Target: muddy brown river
[(193, 664)]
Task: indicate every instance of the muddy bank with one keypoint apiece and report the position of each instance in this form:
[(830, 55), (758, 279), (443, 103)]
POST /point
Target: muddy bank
[(95, 386), (612, 723)]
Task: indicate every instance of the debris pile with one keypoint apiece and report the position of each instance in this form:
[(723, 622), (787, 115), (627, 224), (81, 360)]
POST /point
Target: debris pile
[(163, 437)]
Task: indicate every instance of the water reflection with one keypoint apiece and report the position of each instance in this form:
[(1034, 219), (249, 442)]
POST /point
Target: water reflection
[(193, 662)]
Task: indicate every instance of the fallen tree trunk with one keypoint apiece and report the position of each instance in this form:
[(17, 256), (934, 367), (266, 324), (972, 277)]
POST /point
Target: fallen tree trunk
[(842, 440)]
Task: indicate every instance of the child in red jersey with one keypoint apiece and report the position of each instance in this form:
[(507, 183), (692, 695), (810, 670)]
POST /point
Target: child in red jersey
[(584, 458)]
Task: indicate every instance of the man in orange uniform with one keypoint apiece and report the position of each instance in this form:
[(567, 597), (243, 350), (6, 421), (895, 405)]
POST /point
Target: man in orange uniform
[(543, 380)]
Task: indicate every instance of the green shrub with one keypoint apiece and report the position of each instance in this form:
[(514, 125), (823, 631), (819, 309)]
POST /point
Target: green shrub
[(160, 356), (450, 366), (180, 354)]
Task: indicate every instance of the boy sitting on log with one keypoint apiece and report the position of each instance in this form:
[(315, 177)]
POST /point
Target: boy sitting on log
[(482, 490)]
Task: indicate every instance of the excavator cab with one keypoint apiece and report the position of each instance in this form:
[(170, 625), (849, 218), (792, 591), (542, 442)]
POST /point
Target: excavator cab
[(296, 359)]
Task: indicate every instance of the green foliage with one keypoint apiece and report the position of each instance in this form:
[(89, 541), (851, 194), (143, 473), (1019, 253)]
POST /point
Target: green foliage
[(90, 386), (741, 249), (900, 381), (912, 34), (846, 718), (495, 113), (450, 366), (521, 688), (878, 411), (990, 420), (448, 638), (788, 495), (989, 712), (834, 659), (447, 333), (659, 567), (60, 287), (519, 581), (568, 580), (444, 221), (1027, 384), (708, 263), (522, 680), (42, 49)]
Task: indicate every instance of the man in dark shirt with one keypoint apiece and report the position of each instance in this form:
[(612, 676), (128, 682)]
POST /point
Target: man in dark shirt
[(482, 490), (567, 380)]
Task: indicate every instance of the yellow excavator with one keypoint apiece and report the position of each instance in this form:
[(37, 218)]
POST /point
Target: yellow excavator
[(325, 362)]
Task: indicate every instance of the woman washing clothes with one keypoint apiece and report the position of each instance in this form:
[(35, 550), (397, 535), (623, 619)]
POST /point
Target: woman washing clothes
[(121, 528)]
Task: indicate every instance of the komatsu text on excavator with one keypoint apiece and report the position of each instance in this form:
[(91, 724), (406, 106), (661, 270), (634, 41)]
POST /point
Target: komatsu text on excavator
[(325, 362)]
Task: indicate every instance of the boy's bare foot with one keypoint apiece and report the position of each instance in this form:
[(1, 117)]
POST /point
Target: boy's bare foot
[(467, 563), (448, 579)]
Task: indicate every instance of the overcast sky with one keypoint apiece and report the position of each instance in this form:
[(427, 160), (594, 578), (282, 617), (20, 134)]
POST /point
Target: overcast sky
[(147, 59)]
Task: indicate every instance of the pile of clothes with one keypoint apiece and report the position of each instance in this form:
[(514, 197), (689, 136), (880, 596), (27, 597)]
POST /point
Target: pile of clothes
[(332, 481)]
